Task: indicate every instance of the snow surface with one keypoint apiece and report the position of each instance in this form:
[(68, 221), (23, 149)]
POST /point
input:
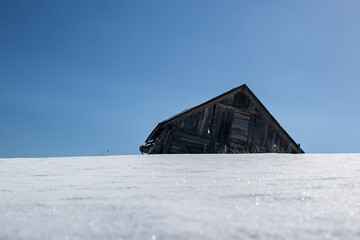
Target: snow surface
[(248, 196)]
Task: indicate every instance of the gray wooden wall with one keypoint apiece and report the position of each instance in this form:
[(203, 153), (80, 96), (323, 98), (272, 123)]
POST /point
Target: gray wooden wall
[(234, 124)]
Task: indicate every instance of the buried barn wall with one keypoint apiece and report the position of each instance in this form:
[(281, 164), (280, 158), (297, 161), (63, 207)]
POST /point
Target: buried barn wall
[(234, 123)]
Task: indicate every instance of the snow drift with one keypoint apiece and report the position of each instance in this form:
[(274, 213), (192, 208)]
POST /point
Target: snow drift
[(247, 196)]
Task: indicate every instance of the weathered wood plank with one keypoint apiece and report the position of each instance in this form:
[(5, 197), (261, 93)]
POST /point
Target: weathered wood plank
[(236, 136), (242, 115), (235, 109), (180, 143), (241, 101), (239, 131), (241, 124), (229, 100), (221, 127)]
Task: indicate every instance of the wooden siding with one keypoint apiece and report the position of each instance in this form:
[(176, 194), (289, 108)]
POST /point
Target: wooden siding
[(232, 123)]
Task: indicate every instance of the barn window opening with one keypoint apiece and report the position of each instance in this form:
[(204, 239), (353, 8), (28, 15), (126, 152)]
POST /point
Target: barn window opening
[(209, 128)]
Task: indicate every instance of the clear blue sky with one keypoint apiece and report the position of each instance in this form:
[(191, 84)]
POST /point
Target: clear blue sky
[(81, 77)]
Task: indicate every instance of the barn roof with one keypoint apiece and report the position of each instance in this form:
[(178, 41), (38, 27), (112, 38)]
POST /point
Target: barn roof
[(244, 87)]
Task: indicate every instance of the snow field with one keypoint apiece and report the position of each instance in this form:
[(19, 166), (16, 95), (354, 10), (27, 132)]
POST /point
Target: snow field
[(245, 196)]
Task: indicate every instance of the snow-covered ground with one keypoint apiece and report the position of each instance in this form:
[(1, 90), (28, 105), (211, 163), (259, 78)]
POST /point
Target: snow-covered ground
[(248, 196)]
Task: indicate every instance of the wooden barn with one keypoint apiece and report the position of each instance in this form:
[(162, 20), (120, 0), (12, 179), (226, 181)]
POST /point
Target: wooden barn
[(234, 122)]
